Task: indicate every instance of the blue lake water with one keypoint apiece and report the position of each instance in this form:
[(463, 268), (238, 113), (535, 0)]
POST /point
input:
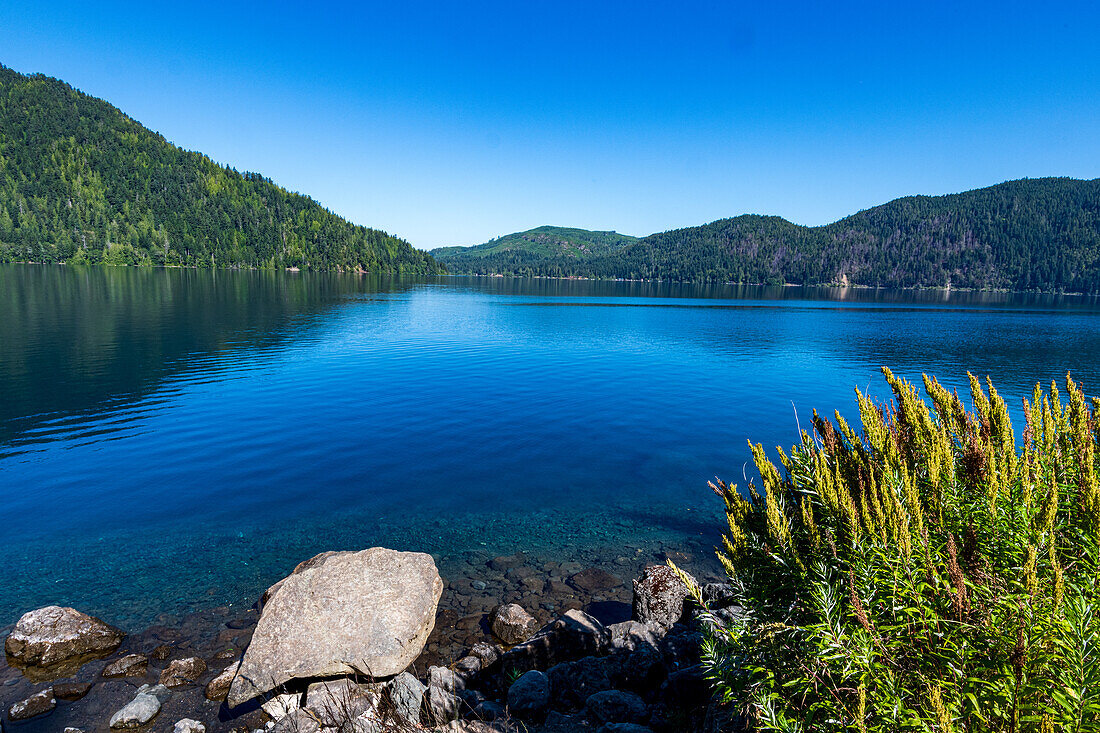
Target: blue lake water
[(175, 439)]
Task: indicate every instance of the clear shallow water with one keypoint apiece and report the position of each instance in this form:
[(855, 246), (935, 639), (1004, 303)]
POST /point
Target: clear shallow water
[(173, 439)]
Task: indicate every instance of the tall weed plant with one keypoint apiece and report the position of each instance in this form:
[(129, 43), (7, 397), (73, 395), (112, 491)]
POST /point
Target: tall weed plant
[(920, 572)]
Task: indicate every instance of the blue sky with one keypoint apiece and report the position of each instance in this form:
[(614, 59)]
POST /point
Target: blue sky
[(453, 123)]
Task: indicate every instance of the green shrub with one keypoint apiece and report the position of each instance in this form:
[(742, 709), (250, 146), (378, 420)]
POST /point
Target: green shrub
[(921, 574)]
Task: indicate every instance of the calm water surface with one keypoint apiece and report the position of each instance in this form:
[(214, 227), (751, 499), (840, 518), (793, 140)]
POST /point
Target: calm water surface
[(173, 439)]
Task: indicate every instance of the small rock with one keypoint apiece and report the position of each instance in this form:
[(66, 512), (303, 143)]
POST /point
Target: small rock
[(407, 695), (441, 698), (37, 704), (659, 596), (488, 710), (486, 652), (52, 635), (468, 666), (478, 585), (594, 579), (719, 595), (143, 708), (571, 636), (218, 688), (132, 665), (73, 730), (529, 695), (180, 672), (629, 635), (187, 725), (71, 691), (512, 624), (161, 653), (614, 706), (623, 728)]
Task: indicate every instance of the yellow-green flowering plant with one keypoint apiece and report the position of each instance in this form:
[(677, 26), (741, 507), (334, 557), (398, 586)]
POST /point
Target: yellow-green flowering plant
[(921, 572)]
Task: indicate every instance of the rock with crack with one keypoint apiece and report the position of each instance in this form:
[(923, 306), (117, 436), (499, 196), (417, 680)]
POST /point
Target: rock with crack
[(363, 613), (54, 635)]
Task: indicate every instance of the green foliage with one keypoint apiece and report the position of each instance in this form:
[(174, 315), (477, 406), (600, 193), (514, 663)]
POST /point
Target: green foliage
[(1037, 234), (544, 251), (922, 574), (80, 182)]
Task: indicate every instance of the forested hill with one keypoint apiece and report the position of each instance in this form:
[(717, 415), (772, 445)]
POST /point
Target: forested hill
[(544, 250), (80, 182), (1029, 234)]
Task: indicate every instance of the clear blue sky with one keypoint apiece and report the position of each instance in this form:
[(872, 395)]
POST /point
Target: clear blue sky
[(450, 123)]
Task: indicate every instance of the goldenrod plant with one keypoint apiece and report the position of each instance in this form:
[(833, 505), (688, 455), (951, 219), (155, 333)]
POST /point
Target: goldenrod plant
[(919, 573)]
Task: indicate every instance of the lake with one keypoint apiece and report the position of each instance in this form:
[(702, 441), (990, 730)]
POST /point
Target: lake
[(172, 440)]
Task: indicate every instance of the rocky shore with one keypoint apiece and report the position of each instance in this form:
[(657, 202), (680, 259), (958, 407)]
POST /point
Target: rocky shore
[(377, 640)]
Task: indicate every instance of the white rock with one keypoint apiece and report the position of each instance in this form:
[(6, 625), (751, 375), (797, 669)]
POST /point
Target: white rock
[(50, 635), (187, 725), (143, 708)]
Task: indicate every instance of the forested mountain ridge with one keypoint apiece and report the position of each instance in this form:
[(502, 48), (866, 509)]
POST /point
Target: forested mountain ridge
[(546, 247), (81, 182), (1030, 234)]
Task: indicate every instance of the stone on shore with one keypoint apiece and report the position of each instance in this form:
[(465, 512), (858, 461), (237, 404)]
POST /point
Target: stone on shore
[(180, 672), (529, 696), (143, 708), (513, 625), (187, 725), (71, 691), (218, 688), (49, 636), (132, 665), (367, 613), (298, 721), (659, 596), (39, 703), (571, 636), (407, 696), (441, 699)]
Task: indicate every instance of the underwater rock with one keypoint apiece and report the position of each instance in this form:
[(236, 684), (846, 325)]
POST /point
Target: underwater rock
[(132, 665), (367, 613), (71, 691), (53, 635), (594, 579), (39, 703), (513, 625)]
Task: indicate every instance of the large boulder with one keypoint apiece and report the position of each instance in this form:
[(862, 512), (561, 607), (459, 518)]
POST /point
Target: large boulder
[(52, 635), (363, 613), (659, 596)]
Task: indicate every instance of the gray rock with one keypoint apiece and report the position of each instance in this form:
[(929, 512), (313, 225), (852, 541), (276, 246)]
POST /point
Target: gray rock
[(51, 635), (486, 652), (297, 721), (513, 625), (615, 706), (478, 585), (529, 696), (468, 666), (441, 700), (218, 688), (719, 595), (659, 596), (507, 562), (367, 613), (571, 636), (407, 695), (39, 703), (340, 701), (629, 635), (143, 708), (132, 665), (180, 672), (73, 730), (187, 725)]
